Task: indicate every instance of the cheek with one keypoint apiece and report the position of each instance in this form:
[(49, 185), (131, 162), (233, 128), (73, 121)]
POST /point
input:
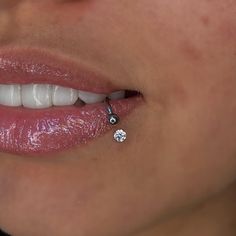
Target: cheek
[(196, 78), (196, 156), (227, 22)]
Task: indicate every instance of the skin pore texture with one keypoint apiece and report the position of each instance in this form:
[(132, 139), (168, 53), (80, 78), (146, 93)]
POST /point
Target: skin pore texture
[(176, 173)]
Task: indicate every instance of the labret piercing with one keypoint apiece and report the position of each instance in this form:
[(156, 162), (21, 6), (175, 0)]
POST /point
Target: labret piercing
[(120, 135)]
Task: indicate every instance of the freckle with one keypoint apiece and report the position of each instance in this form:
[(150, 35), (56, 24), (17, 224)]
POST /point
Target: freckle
[(205, 20)]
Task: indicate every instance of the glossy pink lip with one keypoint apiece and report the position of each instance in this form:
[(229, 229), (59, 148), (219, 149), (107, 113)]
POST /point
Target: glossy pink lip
[(27, 131), (37, 66)]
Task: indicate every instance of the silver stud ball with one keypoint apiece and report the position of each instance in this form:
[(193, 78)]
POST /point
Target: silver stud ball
[(113, 119)]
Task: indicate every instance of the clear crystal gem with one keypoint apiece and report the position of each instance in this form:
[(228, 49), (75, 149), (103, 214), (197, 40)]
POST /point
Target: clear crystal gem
[(120, 135)]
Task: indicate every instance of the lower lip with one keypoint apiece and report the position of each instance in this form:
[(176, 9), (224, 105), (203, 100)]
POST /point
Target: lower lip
[(27, 132)]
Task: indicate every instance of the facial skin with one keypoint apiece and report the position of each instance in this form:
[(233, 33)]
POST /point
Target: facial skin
[(181, 147)]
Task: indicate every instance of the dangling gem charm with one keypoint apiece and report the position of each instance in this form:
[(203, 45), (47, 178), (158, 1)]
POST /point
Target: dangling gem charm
[(120, 136)]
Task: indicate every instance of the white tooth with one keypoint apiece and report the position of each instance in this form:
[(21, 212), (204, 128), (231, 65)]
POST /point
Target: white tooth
[(10, 95), (62, 96), (36, 95), (90, 98), (117, 95)]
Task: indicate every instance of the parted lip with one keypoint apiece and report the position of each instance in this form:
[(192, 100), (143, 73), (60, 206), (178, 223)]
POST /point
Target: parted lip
[(40, 66), (29, 131)]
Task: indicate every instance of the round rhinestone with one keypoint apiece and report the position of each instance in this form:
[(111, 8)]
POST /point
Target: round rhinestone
[(120, 136)]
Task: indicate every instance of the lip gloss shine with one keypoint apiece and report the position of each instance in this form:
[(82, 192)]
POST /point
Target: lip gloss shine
[(31, 131)]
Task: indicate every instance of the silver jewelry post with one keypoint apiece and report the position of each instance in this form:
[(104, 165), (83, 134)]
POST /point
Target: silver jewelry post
[(112, 117), (120, 135)]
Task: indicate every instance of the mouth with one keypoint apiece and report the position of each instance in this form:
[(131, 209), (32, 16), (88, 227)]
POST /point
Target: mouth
[(50, 104)]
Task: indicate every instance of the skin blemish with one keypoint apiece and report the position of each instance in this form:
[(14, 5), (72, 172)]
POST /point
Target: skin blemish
[(190, 51), (205, 20), (228, 30)]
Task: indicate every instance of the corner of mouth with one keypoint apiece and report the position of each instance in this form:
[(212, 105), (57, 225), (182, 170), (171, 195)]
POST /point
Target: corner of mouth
[(34, 78)]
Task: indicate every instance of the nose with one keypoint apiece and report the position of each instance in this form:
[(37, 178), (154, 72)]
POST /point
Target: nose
[(7, 22), (25, 19)]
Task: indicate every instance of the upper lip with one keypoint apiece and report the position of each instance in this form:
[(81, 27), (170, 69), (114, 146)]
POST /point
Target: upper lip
[(21, 66)]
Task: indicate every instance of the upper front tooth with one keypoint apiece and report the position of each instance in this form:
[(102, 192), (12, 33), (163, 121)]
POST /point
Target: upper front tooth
[(10, 95), (45, 95), (117, 95), (62, 96), (90, 98), (36, 95)]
